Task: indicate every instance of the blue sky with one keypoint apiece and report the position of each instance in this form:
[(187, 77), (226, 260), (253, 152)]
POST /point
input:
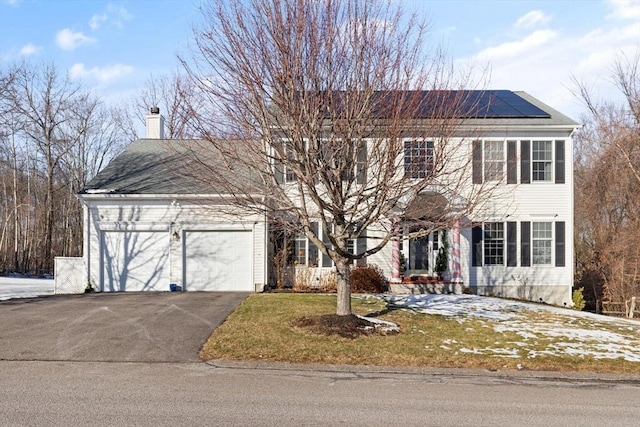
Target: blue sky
[(114, 46)]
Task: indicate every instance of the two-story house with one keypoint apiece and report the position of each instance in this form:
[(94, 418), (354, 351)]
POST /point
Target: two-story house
[(149, 223)]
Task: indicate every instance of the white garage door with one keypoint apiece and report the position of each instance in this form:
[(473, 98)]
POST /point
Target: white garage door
[(135, 261), (218, 261)]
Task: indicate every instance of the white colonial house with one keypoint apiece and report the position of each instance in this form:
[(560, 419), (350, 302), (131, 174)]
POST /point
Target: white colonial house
[(151, 226)]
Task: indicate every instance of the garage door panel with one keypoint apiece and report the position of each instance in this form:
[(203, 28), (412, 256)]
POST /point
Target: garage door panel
[(218, 260), (135, 261)]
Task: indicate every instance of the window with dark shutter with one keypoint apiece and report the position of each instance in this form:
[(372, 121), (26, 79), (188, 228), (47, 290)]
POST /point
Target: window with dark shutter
[(525, 244), (313, 249), (512, 244), (512, 163), (477, 162), (361, 165), (525, 162), (476, 246), (326, 261), (560, 245), (361, 246), (560, 162)]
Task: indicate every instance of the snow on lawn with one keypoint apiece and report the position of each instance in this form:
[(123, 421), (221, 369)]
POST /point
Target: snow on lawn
[(21, 287), (543, 330)]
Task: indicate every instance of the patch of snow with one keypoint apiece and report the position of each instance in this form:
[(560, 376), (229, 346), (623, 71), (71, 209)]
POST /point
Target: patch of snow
[(552, 331), (380, 324), (22, 287)]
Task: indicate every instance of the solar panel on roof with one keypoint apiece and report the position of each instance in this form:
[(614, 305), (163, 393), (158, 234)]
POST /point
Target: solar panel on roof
[(500, 104)]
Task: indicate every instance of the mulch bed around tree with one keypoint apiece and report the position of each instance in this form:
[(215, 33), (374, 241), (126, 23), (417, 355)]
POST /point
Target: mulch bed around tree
[(350, 326)]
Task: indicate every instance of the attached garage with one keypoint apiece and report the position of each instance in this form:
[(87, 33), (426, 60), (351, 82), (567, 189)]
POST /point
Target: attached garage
[(218, 260), (135, 261), (150, 223)]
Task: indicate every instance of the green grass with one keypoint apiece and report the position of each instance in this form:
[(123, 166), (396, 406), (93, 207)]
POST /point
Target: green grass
[(260, 330)]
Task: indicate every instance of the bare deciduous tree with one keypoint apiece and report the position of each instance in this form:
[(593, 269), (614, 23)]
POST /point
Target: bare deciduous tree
[(319, 102), (175, 97), (607, 187), (54, 138)]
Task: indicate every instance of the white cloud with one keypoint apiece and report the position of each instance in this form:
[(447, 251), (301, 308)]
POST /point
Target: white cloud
[(531, 42), (14, 3), (97, 20), (69, 40), (119, 15), (624, 9), (114, 15), (100, 74), (29, 49), (531, 19)]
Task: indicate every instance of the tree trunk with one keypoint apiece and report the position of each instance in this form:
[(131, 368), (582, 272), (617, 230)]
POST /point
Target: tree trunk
[(344, 286)]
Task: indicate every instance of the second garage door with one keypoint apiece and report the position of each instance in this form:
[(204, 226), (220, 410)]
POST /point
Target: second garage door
[(218, 260)]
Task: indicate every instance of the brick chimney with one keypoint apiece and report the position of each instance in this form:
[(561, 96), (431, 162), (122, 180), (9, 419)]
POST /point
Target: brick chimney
[(155, 124)]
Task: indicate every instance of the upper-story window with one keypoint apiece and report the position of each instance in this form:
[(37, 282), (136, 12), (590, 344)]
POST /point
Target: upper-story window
[(542, 160), (493, 160), (526, 161), (418, 159)]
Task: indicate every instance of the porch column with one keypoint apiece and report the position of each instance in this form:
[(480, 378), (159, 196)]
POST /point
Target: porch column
[(395, 261), (456, 271)]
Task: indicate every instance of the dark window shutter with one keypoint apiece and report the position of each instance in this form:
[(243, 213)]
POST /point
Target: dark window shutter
[(477, 162), (326, 261), (512, 163), (361, 246), (560, 245), (525, 244), (278, 167), (512, 244), (313, 249), (525, 162), (560, 162), (278, 171), (476, 245), (361, 173)]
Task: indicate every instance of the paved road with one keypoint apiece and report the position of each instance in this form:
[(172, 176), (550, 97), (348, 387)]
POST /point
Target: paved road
[(196, 394), (131, 327)]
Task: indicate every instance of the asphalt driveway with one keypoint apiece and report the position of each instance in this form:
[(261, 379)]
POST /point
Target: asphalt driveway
[(117, 327)]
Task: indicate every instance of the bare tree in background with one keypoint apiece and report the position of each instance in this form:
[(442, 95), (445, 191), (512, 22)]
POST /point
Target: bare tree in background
[(315, 101), (54, 137), (175, 96), (607, 188)]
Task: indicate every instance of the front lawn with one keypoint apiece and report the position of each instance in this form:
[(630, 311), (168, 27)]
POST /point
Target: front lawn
[(516, 336)]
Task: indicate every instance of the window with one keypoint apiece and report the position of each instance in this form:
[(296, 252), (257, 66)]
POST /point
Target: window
[(493, 160), (300, 249), (541, 243), (418, 159), (494, 243), (542, 160)]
